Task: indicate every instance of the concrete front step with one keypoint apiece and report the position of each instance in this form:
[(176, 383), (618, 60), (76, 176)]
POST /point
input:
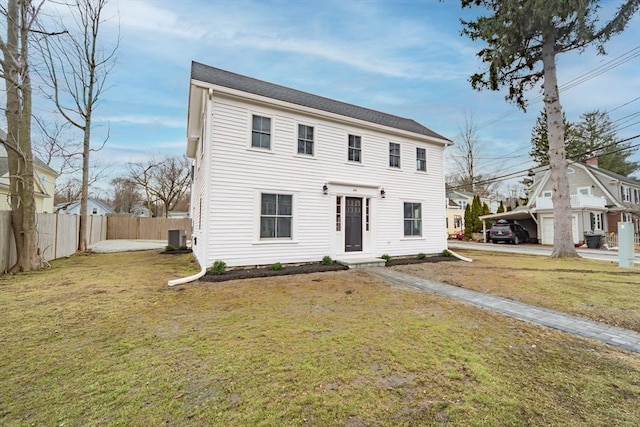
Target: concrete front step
[(362, 262)]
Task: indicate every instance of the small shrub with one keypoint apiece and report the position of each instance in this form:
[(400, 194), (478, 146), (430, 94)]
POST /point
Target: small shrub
[(218, 267), (422, 255), (275, 266), (445, 252), (169, 248), (183, 248), (326, 260), (386, 257)]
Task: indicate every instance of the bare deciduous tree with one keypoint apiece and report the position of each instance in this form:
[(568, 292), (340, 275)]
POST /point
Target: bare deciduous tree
[(20, 18), (77, 68), (465, 154), (163, 179), (125, 194)]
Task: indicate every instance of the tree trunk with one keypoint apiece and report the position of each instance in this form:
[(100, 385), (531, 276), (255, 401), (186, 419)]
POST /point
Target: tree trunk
[(18, 114), (562, 229)]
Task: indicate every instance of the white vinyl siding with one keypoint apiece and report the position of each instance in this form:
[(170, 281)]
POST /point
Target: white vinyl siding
[(237, 177)]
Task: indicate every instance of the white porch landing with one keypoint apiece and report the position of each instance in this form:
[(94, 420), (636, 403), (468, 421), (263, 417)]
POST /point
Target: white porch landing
[(362, 262)]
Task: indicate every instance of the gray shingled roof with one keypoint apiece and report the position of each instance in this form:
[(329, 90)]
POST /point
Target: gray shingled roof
[(231, 80), (622, 178)]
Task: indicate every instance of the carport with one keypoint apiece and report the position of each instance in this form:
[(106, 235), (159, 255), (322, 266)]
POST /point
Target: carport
[(520, 215)]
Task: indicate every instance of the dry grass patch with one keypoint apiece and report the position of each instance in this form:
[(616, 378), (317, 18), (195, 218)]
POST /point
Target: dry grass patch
[(596, 290), (101, 340)]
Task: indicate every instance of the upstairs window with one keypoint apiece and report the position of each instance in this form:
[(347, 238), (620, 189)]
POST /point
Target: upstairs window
[(412, 219), (261, 132), (421, 159), (305, 140), (355, 149), (275, 216), (394, 155)]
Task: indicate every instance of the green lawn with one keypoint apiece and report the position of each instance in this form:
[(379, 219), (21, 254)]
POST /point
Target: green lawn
[(102, 340)]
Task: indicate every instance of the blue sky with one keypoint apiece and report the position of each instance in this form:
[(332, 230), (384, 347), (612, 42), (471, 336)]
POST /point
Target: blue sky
[(401, 57)]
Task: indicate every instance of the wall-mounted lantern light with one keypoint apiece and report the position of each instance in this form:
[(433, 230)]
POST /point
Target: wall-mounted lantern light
[(383, 193), (325, 189)]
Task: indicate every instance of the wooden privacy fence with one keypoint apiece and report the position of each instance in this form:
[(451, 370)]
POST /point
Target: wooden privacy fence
[(57, 236), (58, 233), (125, 227)]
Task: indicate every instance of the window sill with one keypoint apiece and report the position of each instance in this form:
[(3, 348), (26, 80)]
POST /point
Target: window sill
[(260, 150), (353, 163), (394, 169), (275, 242), (406, 238), (305, 156)]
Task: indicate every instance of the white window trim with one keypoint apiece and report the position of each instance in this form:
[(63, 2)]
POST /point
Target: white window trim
[(354, 162), (422, 211), (250, 147), (426, 161), (399, 168), (315, 140), (257, 213), (579, 190)]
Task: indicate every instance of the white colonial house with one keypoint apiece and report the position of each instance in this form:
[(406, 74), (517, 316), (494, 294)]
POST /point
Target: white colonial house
[(281, 175)]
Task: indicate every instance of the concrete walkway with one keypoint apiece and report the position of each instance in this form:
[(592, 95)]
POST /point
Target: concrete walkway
[(619, 337)]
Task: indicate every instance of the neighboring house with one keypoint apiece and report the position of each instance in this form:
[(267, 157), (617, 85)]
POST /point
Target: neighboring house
[(285, 176), (457, 202), (140, 211), (599, 200), (178, 214), (44, 182), (94, 207)]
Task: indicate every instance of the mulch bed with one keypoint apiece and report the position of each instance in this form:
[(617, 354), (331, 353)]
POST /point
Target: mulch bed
[(252, 273)]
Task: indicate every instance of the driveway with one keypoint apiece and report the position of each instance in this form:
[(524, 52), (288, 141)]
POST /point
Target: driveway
[(122, 245), (533, 249)]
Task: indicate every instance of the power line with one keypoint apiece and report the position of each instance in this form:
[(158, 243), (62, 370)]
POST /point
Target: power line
[(522, 172)]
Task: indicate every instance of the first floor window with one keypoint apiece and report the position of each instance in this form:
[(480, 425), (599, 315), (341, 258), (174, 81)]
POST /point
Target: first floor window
[(305, 140), (355, 148), (394, 155), (413, 219), (261, 132), (596, 221), (275, 216), (421, 159)]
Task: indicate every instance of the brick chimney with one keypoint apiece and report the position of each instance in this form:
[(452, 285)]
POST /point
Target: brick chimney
[(592, 161)]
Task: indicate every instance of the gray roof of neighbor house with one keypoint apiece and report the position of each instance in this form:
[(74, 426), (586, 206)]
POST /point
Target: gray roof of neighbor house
[(4, 161), (217, 76), (613, 175)]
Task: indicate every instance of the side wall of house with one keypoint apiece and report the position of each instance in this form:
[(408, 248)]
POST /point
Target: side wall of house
[(238, 175)]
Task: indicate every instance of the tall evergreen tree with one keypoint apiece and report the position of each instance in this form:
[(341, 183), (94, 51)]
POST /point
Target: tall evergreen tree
[(540, 140), (596, 135), (500, 208), (521, 36)]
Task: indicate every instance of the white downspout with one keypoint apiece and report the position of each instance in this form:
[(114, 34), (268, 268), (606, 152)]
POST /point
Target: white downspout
[(188, 279)]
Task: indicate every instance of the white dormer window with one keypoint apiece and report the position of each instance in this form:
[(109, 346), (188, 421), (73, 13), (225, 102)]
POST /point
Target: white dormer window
[(584, 190)]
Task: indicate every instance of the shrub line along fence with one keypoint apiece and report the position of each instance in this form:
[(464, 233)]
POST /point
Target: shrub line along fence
[(58, 233)]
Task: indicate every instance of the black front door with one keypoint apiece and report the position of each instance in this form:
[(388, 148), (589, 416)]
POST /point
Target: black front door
[(353, 224)]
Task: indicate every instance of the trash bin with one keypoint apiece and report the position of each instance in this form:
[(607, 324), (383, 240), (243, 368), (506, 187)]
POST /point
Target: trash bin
[(593, 240)]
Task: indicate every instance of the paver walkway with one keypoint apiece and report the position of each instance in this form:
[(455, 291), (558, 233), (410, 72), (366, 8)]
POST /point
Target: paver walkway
[(619, 337)]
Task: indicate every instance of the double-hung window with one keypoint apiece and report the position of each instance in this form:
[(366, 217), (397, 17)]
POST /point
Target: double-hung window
[(275, 216), (412, 219), (355, 148), (394, 155), (421, 159), (261, 132), (305, 140)]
